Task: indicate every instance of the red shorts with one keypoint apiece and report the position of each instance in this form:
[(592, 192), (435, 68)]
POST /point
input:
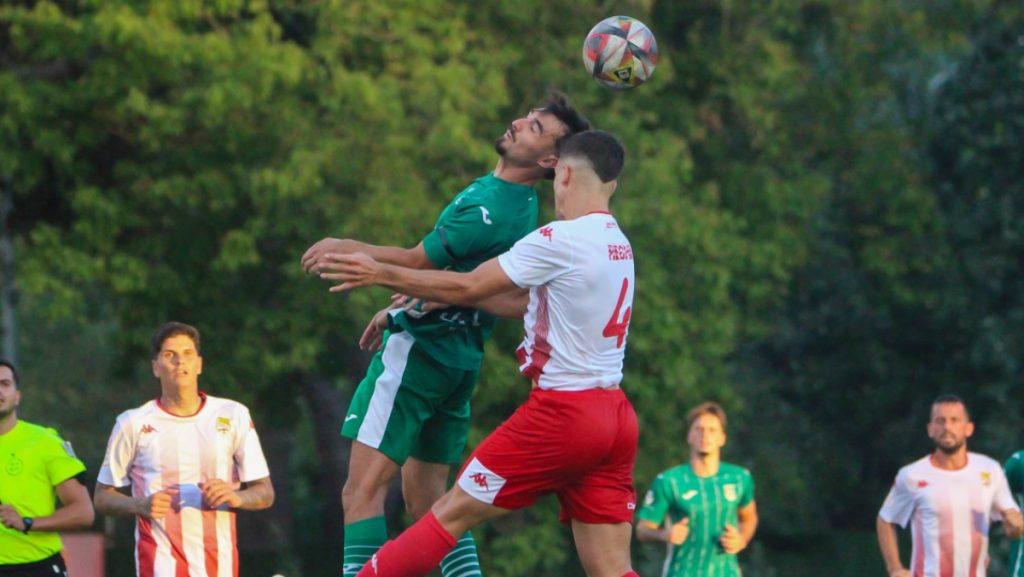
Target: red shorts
[(579, 445)]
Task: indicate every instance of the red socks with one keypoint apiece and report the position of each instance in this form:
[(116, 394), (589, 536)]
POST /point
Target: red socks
[(414, 553)]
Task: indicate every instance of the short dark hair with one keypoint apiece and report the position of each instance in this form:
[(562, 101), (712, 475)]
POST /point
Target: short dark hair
[(557, 104), (601, 148), (949, 398), (172, 329), (14, 372), (707, 408)]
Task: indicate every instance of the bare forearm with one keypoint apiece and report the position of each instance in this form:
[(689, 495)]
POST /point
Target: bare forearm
[(257, 496), (747, 528), (645, 532), (889, 546), (110, 501), (433, 285), (68, 518)]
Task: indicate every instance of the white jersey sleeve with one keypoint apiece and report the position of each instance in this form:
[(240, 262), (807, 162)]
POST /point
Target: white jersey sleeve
[(1003, 499), (536, 259), (120, 453), (248, 456), (899, 504)]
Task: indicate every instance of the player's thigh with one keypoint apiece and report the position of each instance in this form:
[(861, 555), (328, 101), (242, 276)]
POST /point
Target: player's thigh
[(458, 511), (603, 548), (398, 395), (443, 436)]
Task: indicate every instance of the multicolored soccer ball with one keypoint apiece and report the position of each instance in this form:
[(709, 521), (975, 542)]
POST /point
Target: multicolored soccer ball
[(620, 52)]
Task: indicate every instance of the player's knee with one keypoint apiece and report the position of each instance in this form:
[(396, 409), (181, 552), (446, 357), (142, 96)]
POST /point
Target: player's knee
[(361, 493)]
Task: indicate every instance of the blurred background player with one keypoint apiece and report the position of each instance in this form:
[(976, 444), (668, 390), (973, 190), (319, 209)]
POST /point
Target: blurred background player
[(704, 509), (411, 411), (952, 496), (36, 469), (1014, 469), (190, 460), (576, 435)]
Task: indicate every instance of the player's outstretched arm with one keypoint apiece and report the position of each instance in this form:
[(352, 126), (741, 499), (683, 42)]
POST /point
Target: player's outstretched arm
[(889, 545), (469, 289), (415, 257), (511, 304), (1013, 523)]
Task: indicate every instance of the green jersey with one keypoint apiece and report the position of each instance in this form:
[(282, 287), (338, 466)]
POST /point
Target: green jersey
[(1015, 476), (482, 222), (710, 503), (33, 461)]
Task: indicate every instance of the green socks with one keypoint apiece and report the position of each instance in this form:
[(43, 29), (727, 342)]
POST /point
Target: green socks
[(362, 540), (462, 561)]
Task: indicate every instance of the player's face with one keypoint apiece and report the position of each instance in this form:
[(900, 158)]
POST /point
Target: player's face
[(706, 436), (530, 139), (949, 427), (178, 364), (10, 396)]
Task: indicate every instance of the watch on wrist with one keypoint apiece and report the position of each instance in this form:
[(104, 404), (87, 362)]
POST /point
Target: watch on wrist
[(28, 524)]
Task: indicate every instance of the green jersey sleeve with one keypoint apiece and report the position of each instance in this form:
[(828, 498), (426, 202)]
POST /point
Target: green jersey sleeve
[(656, 502), (746, 489), (1015, 472), (61, 462), (458, 234)]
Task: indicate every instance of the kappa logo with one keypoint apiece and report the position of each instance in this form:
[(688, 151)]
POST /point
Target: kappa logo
[(922, 484), (481, 480), (147, 428), (546, 232)]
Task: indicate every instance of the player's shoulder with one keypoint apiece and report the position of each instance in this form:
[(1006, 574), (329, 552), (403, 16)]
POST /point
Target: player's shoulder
[(223, 406), (981, 461), (144, 410), (918, 467), (1016, 459), (734, 470), (680, 471), (40, 432)]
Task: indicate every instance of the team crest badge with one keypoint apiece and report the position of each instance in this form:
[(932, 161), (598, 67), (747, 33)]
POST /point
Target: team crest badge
[(986, 479), (223, 424), (14, 466), (729, 492)]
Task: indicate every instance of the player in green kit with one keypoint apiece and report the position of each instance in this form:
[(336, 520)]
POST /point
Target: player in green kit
[(410, 414), (704, 508), (1015, 476)]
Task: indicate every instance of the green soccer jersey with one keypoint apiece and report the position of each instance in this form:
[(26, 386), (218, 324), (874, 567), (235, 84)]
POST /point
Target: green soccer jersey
[(710, 503), (1015, 476), (482, 222), (33, 461)]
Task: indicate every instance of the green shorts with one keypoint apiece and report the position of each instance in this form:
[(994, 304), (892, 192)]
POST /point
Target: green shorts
[(410, 405)]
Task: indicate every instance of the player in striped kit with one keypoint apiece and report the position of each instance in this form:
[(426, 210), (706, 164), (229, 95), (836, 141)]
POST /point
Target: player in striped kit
[(190, 461), (950, 498), (576, 435), (709, 505)]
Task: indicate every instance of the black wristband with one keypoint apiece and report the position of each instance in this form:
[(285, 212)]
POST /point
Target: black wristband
[(28, 524)]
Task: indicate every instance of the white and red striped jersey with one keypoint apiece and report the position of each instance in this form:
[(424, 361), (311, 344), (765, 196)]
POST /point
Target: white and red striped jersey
[(950, 513), (580, 276), (151, 450)]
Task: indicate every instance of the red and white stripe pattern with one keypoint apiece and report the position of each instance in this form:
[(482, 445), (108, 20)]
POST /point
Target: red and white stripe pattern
[(950, 513), (151, 450), (580, 275)]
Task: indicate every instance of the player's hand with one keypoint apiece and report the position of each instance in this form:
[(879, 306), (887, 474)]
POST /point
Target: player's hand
[(678, 532), (1013, 524), (317, 251), (374, 333), (159, 504), (409, 303), (901, 573), (217, 492), (732, 540), (352, 270), (11, 519)]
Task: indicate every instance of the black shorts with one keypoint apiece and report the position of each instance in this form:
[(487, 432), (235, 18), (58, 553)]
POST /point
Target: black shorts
[(52, 566)]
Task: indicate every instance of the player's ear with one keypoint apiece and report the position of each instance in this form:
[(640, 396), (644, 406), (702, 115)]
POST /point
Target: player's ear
[(199, 365), (153, 364), (548, 161), (969, 429)]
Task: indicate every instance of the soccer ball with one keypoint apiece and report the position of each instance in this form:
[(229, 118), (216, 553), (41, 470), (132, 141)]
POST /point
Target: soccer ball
[(620, 52)]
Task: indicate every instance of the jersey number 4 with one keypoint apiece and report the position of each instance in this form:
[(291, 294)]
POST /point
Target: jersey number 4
[(615, 327)]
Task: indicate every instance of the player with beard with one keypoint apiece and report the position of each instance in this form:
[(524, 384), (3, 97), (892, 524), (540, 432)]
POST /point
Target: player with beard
[(704, 509), (951, 496), (410, 414)]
